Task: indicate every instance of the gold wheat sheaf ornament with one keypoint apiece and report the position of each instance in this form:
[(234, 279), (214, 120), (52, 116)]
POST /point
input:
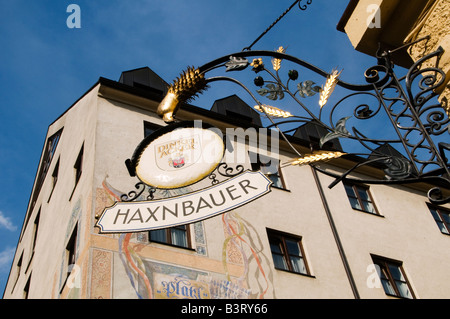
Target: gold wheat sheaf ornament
[(272, 111), (330, 84), (276, 63), (186, 87), (316, 157)]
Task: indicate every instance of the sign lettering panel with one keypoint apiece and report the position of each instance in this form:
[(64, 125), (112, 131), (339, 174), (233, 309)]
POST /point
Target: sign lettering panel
[(185, 209)]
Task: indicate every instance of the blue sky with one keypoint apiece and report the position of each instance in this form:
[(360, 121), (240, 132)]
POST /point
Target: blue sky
[(46, 66)]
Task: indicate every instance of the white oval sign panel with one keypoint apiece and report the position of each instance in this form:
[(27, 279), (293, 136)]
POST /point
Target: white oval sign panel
[(179, 157)]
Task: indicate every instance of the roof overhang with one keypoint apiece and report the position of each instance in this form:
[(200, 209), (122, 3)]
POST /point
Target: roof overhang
[(395, 18)]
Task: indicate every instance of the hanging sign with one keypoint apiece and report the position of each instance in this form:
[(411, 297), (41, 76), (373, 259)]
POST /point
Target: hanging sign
[(178, 155), (184, 209)]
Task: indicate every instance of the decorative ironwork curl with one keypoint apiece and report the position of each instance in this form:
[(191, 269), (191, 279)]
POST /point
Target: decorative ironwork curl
[(226, 171), (363, 112), (213, 178), (134, 195), (433, 78), (436, 196), (436, 120), (372, 75), (304, 6)]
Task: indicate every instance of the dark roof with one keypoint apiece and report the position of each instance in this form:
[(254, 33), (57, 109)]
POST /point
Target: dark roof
[(144, 78), (233, 106), (313, 132)]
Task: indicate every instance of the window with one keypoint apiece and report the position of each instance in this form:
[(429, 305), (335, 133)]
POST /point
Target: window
[(18, 270), (176, 236), (36, 228), (71, 253), (78, 169), (441, 217), (269, 167), (287, 252), (79, 165), (49, 152), (54, 178), (26, 289), (393, 278), (360, 198), (149, 128), (35, 232), (71, 247)]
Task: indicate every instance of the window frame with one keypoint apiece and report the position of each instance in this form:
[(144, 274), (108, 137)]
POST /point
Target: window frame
[(440, 210), (48, 154), (150, 126), (256, 166), (26, 288), (54, 178), (78, 169), (355, 188), (384, 264), (71, 247), (79, 165), (35, 231), (18, 271), (282, 237), (168, 233), (34, 238), (71, 253)]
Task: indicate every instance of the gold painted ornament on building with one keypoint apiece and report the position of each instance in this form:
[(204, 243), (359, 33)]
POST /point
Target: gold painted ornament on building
[(190, 83)]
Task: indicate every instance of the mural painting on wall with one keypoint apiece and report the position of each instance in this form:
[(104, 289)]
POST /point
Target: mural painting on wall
[(242, 247), (169, 164)]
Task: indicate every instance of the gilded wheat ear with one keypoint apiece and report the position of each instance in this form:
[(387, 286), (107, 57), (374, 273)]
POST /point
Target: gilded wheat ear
[(276, 63), (330, 84), (272, 111), (190, 83), (316, 157)]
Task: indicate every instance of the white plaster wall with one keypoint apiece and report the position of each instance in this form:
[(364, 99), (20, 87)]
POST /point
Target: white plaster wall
[(406, 232), (59, 214)]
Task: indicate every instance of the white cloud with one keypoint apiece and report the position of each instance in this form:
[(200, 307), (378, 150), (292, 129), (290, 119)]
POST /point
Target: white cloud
[(5, 222), (6, 256)]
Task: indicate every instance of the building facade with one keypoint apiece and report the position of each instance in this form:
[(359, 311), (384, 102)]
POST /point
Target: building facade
[(301, 240)]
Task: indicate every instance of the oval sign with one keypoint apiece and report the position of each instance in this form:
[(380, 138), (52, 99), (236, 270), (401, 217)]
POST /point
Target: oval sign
[(179, 154)]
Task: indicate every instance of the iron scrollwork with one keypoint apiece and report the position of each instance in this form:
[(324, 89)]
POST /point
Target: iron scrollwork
[(304, 6), (137, 194), (223, 169), (226, 171), (407, 155)]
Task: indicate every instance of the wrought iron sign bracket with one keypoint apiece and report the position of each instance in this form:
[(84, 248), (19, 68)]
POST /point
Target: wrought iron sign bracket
[(407, 106)]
